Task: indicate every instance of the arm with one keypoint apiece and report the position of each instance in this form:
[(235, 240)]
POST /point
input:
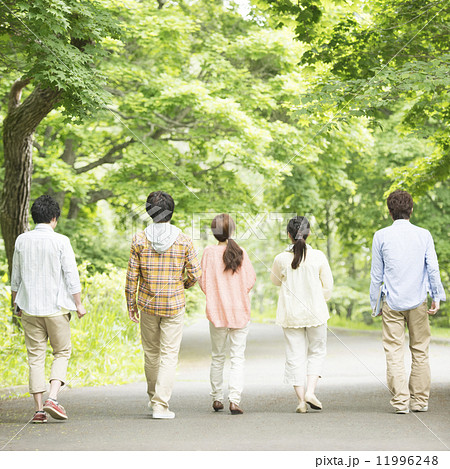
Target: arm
[(80, 308), (376, 272), (250, 275), (15, 278), (70, 272), (131, 283), (202, 279), (275, 273), (326, 277), (192, 266), (434, 278)]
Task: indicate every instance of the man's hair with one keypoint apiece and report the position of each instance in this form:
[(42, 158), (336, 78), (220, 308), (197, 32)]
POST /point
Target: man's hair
[(400, 204), (160, 206), (45, 209)]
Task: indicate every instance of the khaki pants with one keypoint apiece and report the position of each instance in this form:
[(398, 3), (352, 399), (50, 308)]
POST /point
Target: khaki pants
[(161, 339), (37, 331), (414, 394)]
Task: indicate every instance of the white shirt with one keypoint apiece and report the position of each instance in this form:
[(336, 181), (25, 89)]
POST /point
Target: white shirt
[(44, 273), (304, 291)]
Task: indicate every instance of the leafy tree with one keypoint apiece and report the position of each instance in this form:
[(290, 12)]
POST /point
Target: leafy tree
[(52, 47)]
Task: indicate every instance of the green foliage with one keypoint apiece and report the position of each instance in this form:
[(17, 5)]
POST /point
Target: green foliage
[(106, 345), (57, 43), (316, 107)]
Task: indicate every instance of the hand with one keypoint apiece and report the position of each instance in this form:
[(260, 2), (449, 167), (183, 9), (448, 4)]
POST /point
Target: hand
[(81, 311), (134, 315), (434, 308), (17, 311)]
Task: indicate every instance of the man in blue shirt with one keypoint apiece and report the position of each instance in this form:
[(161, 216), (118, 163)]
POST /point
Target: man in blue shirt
[(405, 267)]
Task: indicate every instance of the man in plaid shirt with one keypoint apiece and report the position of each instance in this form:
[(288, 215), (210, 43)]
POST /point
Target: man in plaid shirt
[(164, 262)]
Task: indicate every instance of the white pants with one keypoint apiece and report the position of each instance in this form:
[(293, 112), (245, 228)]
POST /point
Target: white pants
[(238, 341), (306, 348)]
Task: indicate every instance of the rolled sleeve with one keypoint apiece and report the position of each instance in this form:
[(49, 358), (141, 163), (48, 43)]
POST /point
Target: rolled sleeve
[(132, 277), (192, 266), (70, 269), (376, 271), (434, 279), (16, 278)]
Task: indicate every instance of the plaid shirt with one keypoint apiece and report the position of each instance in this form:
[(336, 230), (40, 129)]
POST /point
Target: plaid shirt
[(161, 282)]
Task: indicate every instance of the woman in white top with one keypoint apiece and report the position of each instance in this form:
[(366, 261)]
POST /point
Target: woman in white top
[(306, 284)]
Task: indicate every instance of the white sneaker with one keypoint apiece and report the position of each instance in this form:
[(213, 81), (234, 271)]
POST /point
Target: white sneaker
[(421, 409), (150, 407), (163, 414), (402, 411)]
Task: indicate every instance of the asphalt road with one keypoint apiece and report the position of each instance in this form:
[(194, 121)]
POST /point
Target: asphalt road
[(357, 415)]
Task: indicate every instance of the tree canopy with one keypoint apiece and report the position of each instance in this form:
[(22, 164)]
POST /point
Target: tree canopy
[(310, 107)]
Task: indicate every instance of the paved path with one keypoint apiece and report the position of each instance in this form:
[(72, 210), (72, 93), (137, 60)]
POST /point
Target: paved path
[(356, 416)]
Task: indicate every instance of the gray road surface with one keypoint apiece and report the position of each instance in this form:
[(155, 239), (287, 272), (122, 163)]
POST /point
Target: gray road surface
[(356, 416)]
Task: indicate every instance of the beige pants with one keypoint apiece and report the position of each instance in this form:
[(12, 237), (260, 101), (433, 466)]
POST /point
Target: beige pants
[(161, 339), (37, 331), (414, 394)]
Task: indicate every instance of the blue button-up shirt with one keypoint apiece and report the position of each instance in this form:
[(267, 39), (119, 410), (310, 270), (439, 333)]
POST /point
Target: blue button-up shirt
[(404, 261)]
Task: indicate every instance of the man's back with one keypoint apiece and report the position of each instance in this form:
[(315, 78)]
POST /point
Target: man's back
[(161, 282), (44, 272), (405, 260)]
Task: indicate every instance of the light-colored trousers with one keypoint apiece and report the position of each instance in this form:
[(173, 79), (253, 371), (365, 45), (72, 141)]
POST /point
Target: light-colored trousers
[(306, 348), (238, 342), (37, 331), (161, 339), (416, 392)]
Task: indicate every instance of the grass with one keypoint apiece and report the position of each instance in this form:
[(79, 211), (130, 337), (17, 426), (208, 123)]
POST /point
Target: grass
[(106, 346)]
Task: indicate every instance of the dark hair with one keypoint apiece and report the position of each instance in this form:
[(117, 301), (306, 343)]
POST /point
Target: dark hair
[(400, 204), (223, 227), (45, 209), (299, 229), (160, 206)]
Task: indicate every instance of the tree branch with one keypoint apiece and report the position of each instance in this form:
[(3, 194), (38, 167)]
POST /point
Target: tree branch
[(203, 171), (113, 155), (16, 93), (102, 194)]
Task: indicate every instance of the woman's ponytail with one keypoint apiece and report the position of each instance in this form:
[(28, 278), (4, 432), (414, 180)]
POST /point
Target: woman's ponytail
[(223, 227), (299, 249), (233, 256), (299, 229)]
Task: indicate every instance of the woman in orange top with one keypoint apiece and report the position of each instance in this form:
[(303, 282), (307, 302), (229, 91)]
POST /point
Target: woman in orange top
[(227, 278)]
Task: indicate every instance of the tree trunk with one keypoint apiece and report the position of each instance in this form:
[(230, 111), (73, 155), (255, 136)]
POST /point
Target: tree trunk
[(18, 130)]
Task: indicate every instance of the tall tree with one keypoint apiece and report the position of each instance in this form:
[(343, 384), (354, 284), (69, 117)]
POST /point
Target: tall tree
[(52, 46)]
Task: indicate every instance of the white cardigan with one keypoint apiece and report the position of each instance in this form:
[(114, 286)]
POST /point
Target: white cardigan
[(304, 291)]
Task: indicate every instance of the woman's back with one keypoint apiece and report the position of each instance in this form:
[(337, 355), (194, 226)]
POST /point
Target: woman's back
[(304, 290), (227, 293)]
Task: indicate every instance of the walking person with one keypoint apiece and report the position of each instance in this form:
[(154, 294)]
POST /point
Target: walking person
[(163, 263), (405, 266), (306, 282), (227, 278), (45, 288)]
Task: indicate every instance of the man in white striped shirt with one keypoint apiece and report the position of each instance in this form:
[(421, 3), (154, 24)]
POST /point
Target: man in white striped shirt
[(45, 287)]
